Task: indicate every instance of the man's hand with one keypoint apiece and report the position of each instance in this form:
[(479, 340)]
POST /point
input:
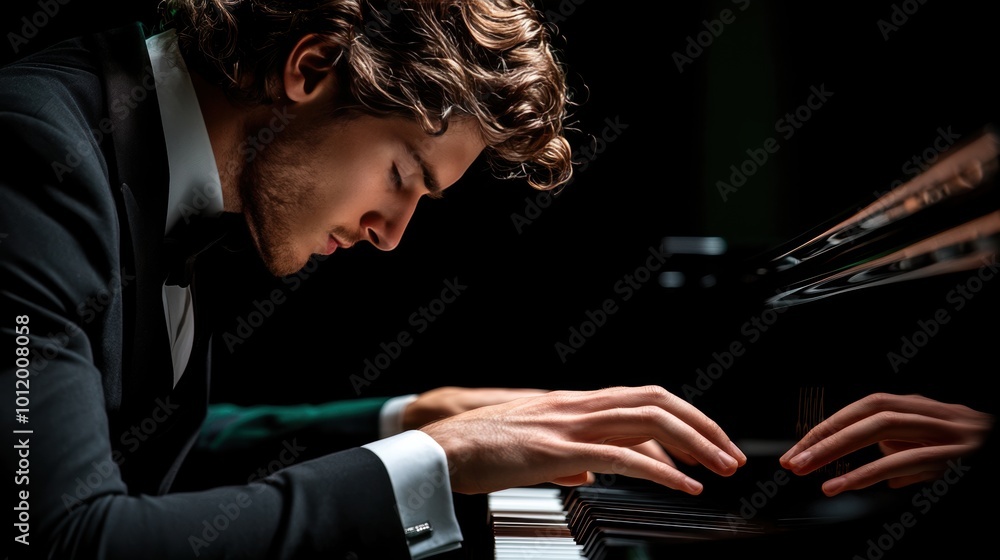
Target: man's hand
[(563, 436), (917, 435), (444, 402)]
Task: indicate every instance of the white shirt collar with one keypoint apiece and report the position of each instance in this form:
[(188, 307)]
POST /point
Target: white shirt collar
[(194, 184), (195, 187)]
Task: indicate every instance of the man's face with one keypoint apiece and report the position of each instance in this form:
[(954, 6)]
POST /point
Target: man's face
[(314, 191)]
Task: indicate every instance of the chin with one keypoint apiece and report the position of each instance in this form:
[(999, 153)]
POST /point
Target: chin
[(285, 265), (281, 260)]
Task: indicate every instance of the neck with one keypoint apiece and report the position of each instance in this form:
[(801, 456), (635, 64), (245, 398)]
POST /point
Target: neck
[(225, 124)]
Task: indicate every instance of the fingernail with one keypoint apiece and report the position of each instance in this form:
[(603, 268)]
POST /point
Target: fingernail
[(727, 460), (738, 453), (831, 487), (693, 486), (800, 459)]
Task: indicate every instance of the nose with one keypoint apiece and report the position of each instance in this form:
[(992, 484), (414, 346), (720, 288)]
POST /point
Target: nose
[(385, 227)]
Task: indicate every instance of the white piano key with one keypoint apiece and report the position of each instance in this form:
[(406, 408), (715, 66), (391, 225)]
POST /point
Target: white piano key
[(530, 523)]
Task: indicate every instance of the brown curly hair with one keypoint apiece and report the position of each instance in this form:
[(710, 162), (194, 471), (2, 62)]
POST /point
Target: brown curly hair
[(432, 60)]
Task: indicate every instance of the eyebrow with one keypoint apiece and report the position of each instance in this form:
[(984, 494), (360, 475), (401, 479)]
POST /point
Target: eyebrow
[(430, 178)]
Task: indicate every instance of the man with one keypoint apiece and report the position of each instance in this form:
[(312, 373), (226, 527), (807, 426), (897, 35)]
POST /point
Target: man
[(132, 160)]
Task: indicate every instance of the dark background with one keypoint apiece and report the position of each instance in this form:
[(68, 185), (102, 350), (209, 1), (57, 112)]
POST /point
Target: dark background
[(529, 284)]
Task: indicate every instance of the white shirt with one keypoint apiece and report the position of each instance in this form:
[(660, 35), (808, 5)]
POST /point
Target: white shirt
[(417, 465)]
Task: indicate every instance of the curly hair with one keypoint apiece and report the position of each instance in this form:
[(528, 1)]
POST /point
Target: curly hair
[(431, 60)]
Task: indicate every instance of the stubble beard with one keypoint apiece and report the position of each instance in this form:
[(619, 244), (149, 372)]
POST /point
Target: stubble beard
[(274, 189)]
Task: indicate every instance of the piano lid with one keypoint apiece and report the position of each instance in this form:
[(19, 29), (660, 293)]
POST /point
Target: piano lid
[(943, 221)]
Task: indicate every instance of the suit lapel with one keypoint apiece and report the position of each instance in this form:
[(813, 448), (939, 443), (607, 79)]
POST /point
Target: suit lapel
[(140, 175), (139, 158)]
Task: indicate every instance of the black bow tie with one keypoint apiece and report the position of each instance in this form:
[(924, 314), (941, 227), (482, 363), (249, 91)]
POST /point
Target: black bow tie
[(190, 239)]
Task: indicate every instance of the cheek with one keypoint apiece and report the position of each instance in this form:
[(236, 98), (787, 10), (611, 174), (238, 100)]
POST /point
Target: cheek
[(342, 198)]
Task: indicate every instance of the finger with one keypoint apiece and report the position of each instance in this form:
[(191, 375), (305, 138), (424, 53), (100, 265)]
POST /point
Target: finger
[(874, 404), (628, 462), (651, 422), (881, 426), (902, 481), (580, 479), (654, 450), (654, 395), (649, 448), (681, 456), (890, 447), (670, 452), (901, 465)]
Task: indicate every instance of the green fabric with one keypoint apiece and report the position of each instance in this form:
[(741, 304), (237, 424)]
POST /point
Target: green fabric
[(229, 426)]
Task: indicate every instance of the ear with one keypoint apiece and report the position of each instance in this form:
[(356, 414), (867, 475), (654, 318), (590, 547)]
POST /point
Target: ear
[(309, 70)]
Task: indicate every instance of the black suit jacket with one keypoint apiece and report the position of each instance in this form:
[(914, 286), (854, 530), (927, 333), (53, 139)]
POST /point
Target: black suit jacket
[(83, 191)]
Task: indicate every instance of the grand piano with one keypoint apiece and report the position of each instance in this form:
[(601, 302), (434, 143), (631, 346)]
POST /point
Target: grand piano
[(937, 234), (850, 278)]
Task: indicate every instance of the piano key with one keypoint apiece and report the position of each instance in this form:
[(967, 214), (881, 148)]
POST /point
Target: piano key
[(531, 523)]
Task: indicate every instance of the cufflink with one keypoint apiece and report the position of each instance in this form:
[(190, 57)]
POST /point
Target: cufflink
[(418, 530)]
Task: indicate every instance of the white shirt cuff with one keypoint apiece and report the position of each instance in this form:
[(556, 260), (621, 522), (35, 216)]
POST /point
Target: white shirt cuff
[(418, 470), (390, 420)]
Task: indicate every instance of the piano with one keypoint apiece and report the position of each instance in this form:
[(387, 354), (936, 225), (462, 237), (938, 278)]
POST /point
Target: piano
[(937, 233)]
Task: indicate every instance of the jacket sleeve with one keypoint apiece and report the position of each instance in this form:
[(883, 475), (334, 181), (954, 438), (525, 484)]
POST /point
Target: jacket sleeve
[(348, 423), (58, 259), (240, 444)]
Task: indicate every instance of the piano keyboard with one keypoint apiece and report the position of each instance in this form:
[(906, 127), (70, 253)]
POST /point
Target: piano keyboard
[(627, 519), (594, 523), (531, 523)]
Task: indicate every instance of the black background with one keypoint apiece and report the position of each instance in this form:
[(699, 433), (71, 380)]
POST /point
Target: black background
[(528, 286)]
